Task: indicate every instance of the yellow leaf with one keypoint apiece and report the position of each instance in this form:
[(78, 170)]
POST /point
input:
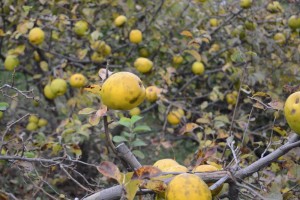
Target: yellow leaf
[(189, 127), (2, 33), (94, 120), (279, 130), (186, 33), (156, 185), (215, 164), (195, 54), (81, 53), (94, 88), (110, 170)]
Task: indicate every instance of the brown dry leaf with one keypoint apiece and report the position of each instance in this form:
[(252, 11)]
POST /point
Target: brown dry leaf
[(155, 185), (259, 105), (3, 196), (166, 144), (189, 127), (146, 172), (94, 119), (196, 42), (110, 170), (28, 166), (102, 73), (102, 111), (222, 134), (276, 104), (187, 34)]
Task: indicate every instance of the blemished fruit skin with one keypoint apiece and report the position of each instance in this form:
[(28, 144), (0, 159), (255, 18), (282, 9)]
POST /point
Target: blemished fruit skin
[(77, 80), (294, 22), (174, 118), (151, 93), (120, 20), (11, 62), (187, 187), (36, 36), (122, 91), (164, 164), (58, 86), (231, 98), (48, 92), (177, 60), (143, 65), (209, 168), (135, 36), (245, 4), (198, 68), (81, 28), (292, 111), (31, 126)]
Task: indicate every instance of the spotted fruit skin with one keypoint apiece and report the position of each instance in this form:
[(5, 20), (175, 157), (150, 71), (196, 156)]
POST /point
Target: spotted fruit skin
[(292, 111), (187, 187), (123, 91)]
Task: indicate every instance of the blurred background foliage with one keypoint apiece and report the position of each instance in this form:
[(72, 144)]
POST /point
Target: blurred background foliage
[(248, 75)]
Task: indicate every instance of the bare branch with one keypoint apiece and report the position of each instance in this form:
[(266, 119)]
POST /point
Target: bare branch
[(74, 180)]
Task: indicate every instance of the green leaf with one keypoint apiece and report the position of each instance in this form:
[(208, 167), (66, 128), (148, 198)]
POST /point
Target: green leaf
[(118, 139), (29, 154), (141, 128), (3, 106), (129, 135), (135, 118), (138, 154), (124, 121), (87, 111), (138, 143)]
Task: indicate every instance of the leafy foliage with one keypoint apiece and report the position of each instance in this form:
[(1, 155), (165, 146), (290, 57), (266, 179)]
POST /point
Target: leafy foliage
[(248, 75)]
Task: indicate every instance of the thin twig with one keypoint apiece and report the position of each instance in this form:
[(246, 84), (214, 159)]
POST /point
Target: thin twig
[(74, 180)]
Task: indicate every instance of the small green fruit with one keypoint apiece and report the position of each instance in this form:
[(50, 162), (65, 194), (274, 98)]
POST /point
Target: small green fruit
[(31, 126), (42, 122), (11, 62), (81, 28), (58, 86), (33, 119)]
